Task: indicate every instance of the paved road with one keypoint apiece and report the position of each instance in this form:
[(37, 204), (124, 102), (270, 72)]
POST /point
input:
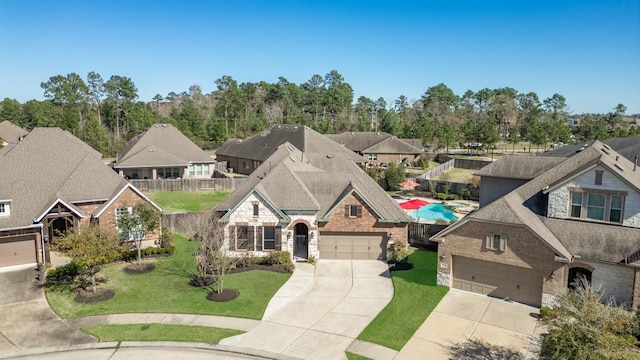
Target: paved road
[(320, 311)]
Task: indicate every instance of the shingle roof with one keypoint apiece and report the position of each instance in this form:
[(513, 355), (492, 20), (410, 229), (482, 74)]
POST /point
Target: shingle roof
[(628, 147), (375, 142), (519, 167), (50, 164), (290, 180), (521, 207), (161, 145), (10, 132), (262, 145)]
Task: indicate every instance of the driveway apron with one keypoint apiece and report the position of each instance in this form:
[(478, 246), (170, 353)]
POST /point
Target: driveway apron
[(26, 320), (470, 326), (319, 312)]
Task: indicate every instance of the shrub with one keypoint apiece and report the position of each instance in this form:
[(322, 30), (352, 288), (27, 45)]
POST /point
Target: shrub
[(465, 193), (423, 162), (166, 239), (545, 312), (399, 252)]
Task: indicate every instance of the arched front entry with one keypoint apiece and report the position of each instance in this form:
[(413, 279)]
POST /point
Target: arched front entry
[(301, 241), (575, 273)]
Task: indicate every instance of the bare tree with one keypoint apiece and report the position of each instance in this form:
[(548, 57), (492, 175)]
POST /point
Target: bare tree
[(212, 258)]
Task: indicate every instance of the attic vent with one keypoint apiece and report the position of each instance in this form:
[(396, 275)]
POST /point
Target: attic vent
[(164, 125), (619, 167), (329, 156), (377, 133), (292, 159), (279, 126), (605, 151), (290, 147), (353, 133), (582, 148), (295, 127), (606, 146)]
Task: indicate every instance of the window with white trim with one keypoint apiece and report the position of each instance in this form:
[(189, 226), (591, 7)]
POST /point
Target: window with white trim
[(373, 157), (600, 206), (5, 208), (497, 242), (205, 169), (134, 233), (192, 170)]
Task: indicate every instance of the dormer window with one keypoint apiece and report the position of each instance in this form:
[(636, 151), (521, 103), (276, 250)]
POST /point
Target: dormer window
[(5, 208)]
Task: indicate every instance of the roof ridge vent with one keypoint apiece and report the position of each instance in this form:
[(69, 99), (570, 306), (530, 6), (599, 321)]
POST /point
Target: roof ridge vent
[(292, 159), (618, 166), (606, 146), (605, 151)]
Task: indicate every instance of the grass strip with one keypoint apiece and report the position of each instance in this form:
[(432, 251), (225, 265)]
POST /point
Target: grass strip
[(187, 201), (160, 332), (415, 296)]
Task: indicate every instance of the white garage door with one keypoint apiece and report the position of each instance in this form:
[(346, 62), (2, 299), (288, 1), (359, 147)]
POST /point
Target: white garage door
[(352, 246), (498, 280), (17, 250)]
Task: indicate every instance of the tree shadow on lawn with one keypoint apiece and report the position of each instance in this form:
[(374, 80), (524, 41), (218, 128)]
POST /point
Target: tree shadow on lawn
[(480, 350)]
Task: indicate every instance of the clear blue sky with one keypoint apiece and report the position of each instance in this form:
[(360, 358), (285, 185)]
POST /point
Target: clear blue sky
[(587, 51)]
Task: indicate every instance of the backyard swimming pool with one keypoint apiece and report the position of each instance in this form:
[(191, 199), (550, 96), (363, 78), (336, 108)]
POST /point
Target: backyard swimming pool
[(433, 212)]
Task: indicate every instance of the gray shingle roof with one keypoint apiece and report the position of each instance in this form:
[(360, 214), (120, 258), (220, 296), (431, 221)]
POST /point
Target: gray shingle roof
[(375, 142), (262, 145), (522, 207), (10, 132), (50, 164), (519, 167), (628, 147), (161, 145), (290, 180)]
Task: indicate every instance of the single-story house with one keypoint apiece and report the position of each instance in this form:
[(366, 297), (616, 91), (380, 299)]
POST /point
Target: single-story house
[(245, 156), (317, 203), (578, 216), (53, 181), (380, 147), (10, 133), (163, 152)]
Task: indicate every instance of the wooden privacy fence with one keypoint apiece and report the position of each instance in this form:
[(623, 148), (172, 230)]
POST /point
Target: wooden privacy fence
[(178, 222), (434, 173), (419, 233), (153, 185)]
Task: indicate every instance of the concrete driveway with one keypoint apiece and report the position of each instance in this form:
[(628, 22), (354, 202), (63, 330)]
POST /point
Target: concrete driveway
[(320, 311), (26, 321), (471, 326)]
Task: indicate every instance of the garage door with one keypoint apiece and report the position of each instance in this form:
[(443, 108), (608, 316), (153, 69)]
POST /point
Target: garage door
[(352, 246), (17, 250), (503, 281)]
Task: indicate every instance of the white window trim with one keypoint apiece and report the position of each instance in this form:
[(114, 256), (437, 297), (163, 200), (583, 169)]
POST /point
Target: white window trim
[(584, 207), (489, 242), (7, 208)]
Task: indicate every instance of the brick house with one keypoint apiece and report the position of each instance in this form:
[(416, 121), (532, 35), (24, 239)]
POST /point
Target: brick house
[(316, 203), (380, 147), (578, 216), (163, 152), (245, 156), (53, 181)]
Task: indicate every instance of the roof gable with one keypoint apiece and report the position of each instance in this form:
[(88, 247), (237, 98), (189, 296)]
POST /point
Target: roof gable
[(11, 133), (161, 142)]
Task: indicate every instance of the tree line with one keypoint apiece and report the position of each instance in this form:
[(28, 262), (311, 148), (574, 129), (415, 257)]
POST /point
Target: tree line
[(108, 113)]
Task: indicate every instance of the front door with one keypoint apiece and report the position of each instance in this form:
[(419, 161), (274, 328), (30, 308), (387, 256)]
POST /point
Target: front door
[(301, 245)]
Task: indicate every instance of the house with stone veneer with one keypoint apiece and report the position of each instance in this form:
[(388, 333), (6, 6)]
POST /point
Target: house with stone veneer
[(163, 152), (318, 204), (52, 181), (578, 216)]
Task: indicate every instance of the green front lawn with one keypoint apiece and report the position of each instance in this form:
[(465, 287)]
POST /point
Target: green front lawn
[(187, 201), (166, 290), (415, 296), (160, 332)]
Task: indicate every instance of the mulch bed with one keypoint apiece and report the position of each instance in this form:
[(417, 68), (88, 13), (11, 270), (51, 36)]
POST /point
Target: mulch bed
[(274, 268), (139, 268), (88, 296), (225, 295), (400, 266)]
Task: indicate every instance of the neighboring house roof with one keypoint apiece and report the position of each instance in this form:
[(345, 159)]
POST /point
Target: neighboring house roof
[(10, 132), (628, 147), (519, 167), (161, 145), (290, 180), (525, 206), (48, 166), (376, 142), (262, 145)]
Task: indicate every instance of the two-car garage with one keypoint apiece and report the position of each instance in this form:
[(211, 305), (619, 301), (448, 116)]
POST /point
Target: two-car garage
[(498, 280), (17, 250), (336, 245)]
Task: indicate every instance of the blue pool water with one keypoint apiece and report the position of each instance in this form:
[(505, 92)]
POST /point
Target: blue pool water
[(433, 212)]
